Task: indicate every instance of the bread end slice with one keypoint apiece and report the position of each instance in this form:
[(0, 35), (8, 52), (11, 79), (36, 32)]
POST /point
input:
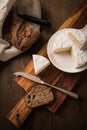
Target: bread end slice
[(39, 95)]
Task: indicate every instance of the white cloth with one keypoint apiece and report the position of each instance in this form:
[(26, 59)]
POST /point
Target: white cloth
[(29, 7)]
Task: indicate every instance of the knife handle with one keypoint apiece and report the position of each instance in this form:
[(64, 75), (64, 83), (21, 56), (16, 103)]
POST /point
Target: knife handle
[(34, 20), (71, 94)]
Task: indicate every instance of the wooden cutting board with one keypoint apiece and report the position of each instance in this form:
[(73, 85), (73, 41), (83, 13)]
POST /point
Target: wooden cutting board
[(50, 74)]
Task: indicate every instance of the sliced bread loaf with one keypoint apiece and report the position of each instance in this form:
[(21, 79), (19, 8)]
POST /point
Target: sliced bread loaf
[(18, 32)]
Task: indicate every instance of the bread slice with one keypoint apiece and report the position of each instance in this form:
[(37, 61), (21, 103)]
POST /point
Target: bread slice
[(40, 63), (18, 32), (39, 95)]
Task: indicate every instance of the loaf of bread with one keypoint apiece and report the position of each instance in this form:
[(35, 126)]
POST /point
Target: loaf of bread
[(18, 32), (39, 95)]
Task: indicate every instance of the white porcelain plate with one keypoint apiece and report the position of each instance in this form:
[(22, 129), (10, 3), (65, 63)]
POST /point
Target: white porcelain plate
[(62, 61)]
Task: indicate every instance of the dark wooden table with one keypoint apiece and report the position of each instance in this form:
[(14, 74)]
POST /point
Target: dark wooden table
[(72, 115)]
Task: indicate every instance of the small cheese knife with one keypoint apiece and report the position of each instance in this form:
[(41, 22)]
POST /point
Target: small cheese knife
[(38, 80)]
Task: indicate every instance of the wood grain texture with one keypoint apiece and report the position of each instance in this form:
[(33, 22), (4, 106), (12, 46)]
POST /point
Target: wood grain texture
[(78, 20), (51, 74), (19, 113)]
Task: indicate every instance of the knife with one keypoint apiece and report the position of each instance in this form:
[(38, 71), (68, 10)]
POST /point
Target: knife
[(38, 80), (33, 19)]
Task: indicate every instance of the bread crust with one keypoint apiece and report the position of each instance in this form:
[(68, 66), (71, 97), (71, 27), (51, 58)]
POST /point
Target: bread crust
[(18, 32), (39, 95)]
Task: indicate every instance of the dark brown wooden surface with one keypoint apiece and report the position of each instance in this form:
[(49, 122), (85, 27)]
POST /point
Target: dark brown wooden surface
[(72, 114)]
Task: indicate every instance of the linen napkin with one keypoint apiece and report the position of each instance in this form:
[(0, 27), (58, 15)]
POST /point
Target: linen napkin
[(29, 7)]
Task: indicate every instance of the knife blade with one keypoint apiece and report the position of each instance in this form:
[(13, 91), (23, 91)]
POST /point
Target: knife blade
[(33, 19), (38, 80)]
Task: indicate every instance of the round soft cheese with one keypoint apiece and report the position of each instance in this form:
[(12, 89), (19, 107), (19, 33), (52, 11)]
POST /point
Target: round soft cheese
[(62, 42)]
